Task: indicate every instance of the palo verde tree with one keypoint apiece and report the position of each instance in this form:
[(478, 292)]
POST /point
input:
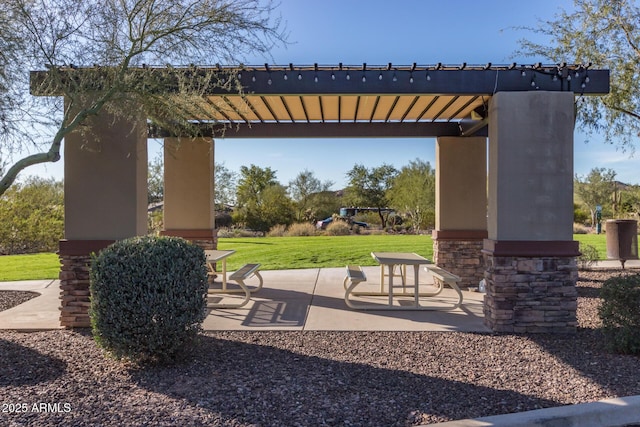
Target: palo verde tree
[(261, 201), (414, 192), (595, 189), (304, 188), (225, 185), (97, 56), (369, 188), (605, 34)]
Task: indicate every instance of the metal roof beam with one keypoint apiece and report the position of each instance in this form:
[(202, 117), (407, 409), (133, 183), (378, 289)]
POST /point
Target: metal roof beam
[(338, 130), (440, 82), (334, 81)]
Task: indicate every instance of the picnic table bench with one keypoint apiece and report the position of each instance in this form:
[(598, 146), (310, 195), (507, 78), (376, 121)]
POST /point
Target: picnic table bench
[(239, 276)]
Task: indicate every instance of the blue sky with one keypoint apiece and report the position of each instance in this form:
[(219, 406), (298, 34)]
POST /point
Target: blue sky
[(402, 32)]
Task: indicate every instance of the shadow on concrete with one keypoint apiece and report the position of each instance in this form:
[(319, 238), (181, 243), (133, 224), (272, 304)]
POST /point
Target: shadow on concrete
[(276, 308)]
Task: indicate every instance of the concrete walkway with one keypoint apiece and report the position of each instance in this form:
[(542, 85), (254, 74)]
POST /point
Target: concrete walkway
[(308, 299), (37, 314)]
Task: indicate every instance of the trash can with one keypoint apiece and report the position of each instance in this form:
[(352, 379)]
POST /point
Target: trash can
[(622, 239)]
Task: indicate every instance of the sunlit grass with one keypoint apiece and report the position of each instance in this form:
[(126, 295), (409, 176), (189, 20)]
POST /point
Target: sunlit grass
[(278, 253), (29, 267), (599, 241)]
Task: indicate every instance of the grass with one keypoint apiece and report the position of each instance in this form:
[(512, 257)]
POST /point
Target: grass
[(29, 267), (599, 241), (277, 253)]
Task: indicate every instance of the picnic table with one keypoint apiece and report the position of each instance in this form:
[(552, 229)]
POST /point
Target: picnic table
[(391, 260)]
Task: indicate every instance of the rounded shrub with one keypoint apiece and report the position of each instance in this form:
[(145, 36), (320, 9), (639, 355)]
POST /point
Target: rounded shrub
[(620, 313), (338, 228), (301, 229), (148, 297), (278, 230)]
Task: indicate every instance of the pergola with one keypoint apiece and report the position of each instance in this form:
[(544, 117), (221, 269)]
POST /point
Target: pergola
[(504, 169)]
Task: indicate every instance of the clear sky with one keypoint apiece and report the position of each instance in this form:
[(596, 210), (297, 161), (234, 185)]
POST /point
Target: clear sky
[(402, 32)]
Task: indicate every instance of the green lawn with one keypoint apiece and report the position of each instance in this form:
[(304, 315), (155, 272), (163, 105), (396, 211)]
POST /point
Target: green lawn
[(276, 253), (29, 267), (599, 241)]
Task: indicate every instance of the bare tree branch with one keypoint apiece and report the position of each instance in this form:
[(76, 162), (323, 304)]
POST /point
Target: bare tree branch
[(114, 38)]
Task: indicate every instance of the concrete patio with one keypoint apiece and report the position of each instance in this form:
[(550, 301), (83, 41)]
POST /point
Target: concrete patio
[(308, 299)]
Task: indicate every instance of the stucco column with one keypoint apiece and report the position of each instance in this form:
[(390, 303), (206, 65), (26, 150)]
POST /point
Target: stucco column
[(188, 190), (530, 253), (105, 199), (461, 206)]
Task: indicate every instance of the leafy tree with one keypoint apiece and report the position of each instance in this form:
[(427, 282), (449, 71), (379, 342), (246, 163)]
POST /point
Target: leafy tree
[(253, 180), (303, 189), (96, 54), (322, 205), (262, 201), (155, 180), (32, 217), (606, 34), (631, 200), (225, 186), (369, 187), (595, 189), (276, 207), (413, 192)]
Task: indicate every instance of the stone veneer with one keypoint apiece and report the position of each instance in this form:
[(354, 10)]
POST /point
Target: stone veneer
[(531, 294), (463, 258), (75, 294)]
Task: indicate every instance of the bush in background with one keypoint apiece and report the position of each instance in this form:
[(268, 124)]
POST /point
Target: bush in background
[(278, 230), (148, 297), (301, 229), (338, 228), (581, 229), (588, 256), (620, 313), (32, 217)]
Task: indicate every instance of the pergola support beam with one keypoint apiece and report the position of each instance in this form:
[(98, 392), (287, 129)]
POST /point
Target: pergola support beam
[(338, 130)]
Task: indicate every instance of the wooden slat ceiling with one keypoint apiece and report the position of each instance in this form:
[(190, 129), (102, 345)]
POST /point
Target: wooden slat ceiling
[(344, 108)]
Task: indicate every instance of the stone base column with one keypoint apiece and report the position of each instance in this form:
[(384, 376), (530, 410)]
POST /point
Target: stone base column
[(461, 254), (530, 294), (75, 296)]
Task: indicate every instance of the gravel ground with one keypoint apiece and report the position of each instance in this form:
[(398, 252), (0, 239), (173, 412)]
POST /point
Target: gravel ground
[(314, 378), (10, 299)]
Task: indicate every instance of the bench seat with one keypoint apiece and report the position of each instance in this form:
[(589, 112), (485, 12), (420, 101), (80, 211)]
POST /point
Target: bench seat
[(442, 277), (240, 275)]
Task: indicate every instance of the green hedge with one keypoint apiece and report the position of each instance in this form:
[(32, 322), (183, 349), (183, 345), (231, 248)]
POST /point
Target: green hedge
[(148, 297), (620, 313)]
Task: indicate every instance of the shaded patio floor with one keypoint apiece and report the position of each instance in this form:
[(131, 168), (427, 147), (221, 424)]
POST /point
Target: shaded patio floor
[(313, 299)]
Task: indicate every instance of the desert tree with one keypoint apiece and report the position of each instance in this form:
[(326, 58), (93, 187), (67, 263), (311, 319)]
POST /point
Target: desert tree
[(413, 192), (105, 57), (602, 34), (595, 189), (262, 201), (225, 185), (304, 188), (368, 187)]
